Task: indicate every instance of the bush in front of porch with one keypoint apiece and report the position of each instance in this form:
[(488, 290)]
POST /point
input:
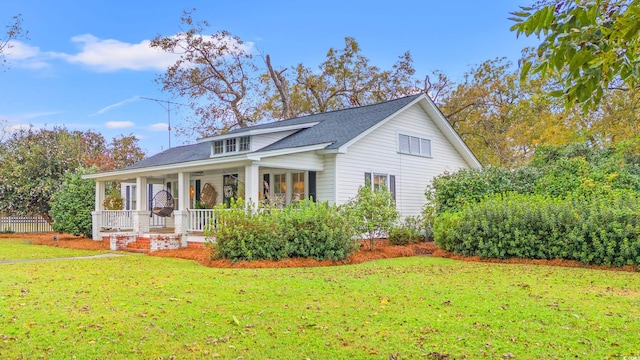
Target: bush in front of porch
[(306, 229)]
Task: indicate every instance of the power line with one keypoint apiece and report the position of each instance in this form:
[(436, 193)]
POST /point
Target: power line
[(168, 108)]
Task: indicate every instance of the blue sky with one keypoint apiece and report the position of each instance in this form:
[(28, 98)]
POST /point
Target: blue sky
[(87, 63)]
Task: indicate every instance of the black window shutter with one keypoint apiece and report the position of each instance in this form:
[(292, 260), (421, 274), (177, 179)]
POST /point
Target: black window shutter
[(312, 185), (150, 198), (127, 198), (367, 179), (198, 190), (392, 186)]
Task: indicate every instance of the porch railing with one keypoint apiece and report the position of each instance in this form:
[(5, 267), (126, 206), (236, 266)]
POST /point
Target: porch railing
[(117, 219), (199, 218), (157, 222)]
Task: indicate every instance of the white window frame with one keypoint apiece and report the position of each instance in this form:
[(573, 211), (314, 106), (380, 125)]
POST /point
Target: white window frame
[(232, 145), (420, 141), (375, 187), (222, 146), (231, 142), (246, 143)]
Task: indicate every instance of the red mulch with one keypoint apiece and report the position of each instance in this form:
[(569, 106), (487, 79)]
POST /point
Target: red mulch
[(382, 251), (64, 241)]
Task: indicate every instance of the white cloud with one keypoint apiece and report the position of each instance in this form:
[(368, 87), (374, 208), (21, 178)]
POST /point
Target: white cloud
[(118, 104), (119, 124), (158, 127), (22, 55), (104, 55), (110, 55)]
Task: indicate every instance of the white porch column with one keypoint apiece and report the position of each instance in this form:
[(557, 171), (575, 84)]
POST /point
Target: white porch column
[(96, 224), (140, 213), (252, 185), (289, 195), (181, 216)]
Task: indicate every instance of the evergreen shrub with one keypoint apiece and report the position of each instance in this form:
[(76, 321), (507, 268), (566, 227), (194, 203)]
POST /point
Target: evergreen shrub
[(306, 229), (594, 230)]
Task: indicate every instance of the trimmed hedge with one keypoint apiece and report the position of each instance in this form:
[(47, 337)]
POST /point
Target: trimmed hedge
[(594, 230), (569, 170), (308, 229)]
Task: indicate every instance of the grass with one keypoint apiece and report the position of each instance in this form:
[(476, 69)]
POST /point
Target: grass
[(19, 249), (145, 307)]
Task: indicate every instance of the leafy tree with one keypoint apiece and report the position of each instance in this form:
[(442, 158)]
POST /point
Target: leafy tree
[(225, 88), (345, 79), (33, 163), (124, 150), (504, 120), (14, 31), (372, 213), (593, 44), (216, 73), (71, 206)]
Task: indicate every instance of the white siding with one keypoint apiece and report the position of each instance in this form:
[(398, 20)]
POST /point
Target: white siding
[(377, 153), (299, 161), (260, 141), (326, 180), (214, 178)]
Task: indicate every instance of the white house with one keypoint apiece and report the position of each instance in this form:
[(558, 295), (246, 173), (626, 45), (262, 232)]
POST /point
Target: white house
[(402, 143)]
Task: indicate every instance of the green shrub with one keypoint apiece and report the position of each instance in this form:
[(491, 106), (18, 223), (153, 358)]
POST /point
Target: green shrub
[(451, 192), (372, 213), (242, 234), (72, 205), (593, 230), (306, 229), (409, 231), (315, 230), (556, 171)]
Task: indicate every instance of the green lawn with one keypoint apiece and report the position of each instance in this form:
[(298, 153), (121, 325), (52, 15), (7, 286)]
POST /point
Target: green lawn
[(18, 249), (145, 307)]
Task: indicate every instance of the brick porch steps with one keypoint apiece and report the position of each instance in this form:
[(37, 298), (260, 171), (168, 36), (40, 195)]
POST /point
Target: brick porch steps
[(141, 245)]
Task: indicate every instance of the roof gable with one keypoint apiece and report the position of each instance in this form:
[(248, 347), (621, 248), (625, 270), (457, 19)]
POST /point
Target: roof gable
[(335, 129), (341, 126)]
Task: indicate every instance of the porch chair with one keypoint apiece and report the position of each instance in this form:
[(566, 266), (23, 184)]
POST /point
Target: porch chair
[(162, 204)]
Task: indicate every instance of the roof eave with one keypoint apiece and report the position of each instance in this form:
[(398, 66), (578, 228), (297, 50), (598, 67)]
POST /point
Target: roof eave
[(286, 151), (250, 132), (162, 169)]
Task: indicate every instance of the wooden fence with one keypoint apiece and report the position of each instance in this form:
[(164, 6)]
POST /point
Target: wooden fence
[(19, 224)]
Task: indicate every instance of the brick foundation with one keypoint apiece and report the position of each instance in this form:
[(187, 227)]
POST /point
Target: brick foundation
[(165, 242), (134, 243)]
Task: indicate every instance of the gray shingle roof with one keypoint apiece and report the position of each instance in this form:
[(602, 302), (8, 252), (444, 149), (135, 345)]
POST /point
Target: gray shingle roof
[(341, 126), (176, 155), (335, 127)]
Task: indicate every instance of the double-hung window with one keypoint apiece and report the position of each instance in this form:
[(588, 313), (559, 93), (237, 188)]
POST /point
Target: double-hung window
[(245, 143), (230, 145), (414, 145), (379, 181), (218, 147)]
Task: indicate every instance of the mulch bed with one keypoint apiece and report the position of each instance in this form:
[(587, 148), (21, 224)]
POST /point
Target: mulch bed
[(382, 250), (64, 241)]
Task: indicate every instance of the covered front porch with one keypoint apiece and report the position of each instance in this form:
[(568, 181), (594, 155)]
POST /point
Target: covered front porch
[(277, 183)]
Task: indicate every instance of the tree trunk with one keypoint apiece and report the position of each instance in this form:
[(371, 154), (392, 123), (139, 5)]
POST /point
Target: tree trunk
[(281, 84)]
